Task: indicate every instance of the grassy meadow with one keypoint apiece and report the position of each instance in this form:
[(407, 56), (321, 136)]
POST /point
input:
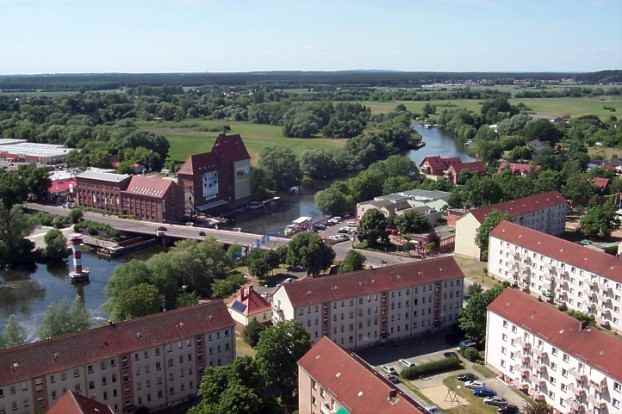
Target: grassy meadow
[(195, 136)]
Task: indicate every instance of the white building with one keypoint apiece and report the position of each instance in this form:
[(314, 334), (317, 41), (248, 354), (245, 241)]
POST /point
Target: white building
[(552, 356), (156, 361), (360, 309), (543, 211), (249, 305), (557, 270)]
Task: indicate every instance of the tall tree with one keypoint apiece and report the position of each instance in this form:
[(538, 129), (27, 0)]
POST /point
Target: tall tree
[(55, 246), (61, 319), (281, 167), (308, 250), (279, 348), (373, 228), (140, 300), (472, 319), (599, 220), (14, 334), (353, 262), (483, 233)]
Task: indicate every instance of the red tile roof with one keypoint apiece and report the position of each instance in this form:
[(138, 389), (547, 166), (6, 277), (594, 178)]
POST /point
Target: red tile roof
[(353, 383), (149, 186), (440, 165), (311, 291), (72, 403), (249, 302), (62, 186), (515, 167), (600, 182), (595, 348), (521, 206), (47, 356), (228, 148), (573, 254), (475, 167)]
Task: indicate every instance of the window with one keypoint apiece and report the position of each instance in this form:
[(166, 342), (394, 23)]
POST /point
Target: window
[(616, 386)]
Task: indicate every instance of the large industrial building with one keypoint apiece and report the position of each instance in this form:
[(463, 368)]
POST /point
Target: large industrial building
[(331, 380), (21, 151), (360, 309), (216, 179), (543, 211), (562, 272), (153, 362), (552, 356)]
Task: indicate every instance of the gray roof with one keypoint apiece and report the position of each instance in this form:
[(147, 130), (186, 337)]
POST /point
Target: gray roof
[(417, 195), (102, 175)]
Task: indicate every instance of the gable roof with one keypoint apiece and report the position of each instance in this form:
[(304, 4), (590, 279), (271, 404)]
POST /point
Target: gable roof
[(568, 252), (226, 148), (149, 186), (58, 354), (475, 167), (312, 291), (439, 165), (597, 349), (353, 383), (73, 403), (521, 206), (600, 182), (248, 302)]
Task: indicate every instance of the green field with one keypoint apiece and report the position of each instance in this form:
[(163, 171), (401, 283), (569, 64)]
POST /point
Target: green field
[(195, 136), (539, 107)]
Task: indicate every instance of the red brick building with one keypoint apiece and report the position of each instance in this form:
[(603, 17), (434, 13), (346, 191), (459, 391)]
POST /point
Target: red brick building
[(100, 189), (436, 167), (153, 199), (218, 178), (74, 403)]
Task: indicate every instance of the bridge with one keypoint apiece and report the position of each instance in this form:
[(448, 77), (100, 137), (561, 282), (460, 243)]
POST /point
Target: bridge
[(177, 231)]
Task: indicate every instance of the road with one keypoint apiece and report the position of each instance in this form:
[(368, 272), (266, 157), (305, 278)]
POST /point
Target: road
[(376, 259)]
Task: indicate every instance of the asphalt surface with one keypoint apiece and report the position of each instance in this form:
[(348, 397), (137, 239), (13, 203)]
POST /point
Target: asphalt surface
[(374, 258)]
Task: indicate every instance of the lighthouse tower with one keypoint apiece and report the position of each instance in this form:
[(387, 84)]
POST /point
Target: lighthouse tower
[(78, 274)]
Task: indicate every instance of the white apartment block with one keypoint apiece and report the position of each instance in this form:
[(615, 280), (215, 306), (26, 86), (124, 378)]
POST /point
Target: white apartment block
[(333, 381), (552, 356), (154, 362), (360, 309), (558, 271), (543, 211)]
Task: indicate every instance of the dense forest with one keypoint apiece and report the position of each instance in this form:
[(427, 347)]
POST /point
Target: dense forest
[(284, 79)]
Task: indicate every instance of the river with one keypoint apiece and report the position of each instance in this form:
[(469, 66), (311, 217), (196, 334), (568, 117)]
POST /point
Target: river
[(28, 294)]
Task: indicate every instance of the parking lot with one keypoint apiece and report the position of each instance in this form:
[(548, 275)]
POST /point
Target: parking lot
[(434, 389)]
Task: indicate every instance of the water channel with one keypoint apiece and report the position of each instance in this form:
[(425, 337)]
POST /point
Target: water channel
[(28, 294)]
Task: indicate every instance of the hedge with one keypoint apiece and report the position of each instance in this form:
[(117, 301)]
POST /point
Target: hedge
[(431, 368)]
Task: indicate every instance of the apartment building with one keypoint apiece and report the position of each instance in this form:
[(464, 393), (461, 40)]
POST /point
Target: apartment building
[(333, 381), (552, 356), (543, 211), (559, 271), (360, 309), (153, 362)]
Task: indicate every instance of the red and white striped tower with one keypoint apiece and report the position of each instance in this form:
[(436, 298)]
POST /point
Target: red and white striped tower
[(78, 274)]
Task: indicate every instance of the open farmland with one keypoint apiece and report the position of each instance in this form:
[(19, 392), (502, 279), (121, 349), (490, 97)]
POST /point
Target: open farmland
[(195, 136)]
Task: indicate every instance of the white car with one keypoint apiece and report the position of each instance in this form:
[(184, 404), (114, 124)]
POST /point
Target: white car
[(406, 363), (334, 220), (339, 237), (389, 370), (473, 384)]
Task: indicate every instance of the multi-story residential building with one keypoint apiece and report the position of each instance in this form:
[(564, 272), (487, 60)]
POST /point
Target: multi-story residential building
[(333, 381), (559, 271), (552, 356), (543, 211), (153, 198), (216, 179), (74, 403), (101, 190), (154, 362), (360, 309)]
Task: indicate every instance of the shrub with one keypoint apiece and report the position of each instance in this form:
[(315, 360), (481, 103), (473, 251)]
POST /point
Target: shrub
[(224, 287), (252, 332), (76, 215), (470, 353), (431, 368)]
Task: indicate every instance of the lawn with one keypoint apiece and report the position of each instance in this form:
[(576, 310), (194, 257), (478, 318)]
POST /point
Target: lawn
[(605, 152), (195, 136), (476, 405), (475, 271), (540, 107)]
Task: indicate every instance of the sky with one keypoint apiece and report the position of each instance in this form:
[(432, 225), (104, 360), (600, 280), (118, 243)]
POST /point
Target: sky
[(71, 36)]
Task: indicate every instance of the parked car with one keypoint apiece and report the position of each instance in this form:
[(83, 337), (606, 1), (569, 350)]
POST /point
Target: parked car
[(498, 401), (508, 409), (432, 409), (393, 378), (334, 220), (406, 363), (202, 233), (339, 237), (289, 280), (389, 370), (319, 226), (474, 384), (466, 377), (484, 392), (467, 343), (450, 355)]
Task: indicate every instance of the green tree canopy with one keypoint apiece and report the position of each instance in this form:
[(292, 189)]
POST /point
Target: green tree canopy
[(281, 167), (14, 334), (599, 220), (55, 246), (61, 318), (373, 228), (472, 319), (308, 251), (352, 262), (483, 233), (412, 222)]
